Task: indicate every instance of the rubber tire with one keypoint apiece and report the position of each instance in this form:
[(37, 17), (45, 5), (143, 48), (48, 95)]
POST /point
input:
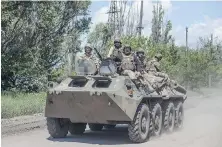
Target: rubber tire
[(134, 128), (169, 107), (77, 128), (95, 127), (179, 106), (109, 126), (156, 108), (55, 129)]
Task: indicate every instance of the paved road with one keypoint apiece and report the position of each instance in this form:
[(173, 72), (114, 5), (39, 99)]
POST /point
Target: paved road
[(202, 128)]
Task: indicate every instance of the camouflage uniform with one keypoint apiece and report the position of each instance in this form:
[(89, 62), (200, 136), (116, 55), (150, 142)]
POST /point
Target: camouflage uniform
[(88, 55), (153, 68), (116, 49), (140, 55), (128, 64)]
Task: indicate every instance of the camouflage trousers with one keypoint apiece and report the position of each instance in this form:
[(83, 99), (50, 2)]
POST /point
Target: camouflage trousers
[(130, 73), (155, 79), (162, 75)]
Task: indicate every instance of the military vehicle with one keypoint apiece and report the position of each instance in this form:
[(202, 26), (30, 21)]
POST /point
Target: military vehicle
[(102, 99)]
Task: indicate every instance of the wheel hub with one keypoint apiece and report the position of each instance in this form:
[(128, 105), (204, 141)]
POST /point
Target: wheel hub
[(157, 122), (170, 119), (144, 120)]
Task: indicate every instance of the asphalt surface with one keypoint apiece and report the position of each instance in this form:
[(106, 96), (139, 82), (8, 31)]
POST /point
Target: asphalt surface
[(202, 128)]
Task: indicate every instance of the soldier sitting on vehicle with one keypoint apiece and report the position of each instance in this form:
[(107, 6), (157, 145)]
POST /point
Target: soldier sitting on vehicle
[(153, 68), (88, 55), (128, 62), (140, 60), (141, 68), (116, 50)]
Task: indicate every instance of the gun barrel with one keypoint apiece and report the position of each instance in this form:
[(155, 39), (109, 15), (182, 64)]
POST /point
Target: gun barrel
[(100, 57)]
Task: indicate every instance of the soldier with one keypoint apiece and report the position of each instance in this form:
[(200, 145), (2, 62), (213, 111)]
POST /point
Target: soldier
[(153, 67), (140, 60), (114, 50), (128, 64), (88, 54)]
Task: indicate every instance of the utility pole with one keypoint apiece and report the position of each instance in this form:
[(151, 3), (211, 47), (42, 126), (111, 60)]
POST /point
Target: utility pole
[(211, 62), (141, 19), (211, 46), (187, 42), (186, 54), (116, 17)]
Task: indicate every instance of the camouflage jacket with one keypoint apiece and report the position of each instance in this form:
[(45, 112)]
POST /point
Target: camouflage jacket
[(93, 58), (153, 66), (114, 53)]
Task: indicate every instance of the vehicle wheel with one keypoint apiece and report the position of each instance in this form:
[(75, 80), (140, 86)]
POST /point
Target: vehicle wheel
[(157, 120), (109, 126), (57, 127), (179, 115), (169, 117), (77, 128), (138, 130), (95, 127)]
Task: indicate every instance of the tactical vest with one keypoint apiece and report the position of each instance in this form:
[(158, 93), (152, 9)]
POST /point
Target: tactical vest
[(128, 62)]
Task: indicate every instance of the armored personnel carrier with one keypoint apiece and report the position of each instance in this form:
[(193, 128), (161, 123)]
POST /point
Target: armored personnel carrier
[(102, 99)]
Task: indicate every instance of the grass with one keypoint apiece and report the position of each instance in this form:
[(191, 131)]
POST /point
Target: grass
[(22, 104)]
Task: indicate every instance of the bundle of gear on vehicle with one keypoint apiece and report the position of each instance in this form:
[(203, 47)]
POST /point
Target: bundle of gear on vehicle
[(123, 88)]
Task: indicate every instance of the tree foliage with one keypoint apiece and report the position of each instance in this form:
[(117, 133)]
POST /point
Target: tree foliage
[(33, 34)]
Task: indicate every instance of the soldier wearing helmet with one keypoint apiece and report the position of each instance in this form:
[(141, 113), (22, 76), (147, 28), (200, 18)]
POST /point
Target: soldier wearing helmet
[(88, 55), (116, 49), (153, 67), (127, 62)]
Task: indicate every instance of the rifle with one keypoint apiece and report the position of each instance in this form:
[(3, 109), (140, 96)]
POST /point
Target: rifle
[(98, 54)]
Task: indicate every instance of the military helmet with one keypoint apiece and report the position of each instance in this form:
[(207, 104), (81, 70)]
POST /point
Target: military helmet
[(88, 49), (140, 50), (117, 40), (158, 56), (88, 46), (127, 46)]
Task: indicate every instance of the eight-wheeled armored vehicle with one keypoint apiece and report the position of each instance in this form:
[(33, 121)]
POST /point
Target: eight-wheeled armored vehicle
[(102, 99)]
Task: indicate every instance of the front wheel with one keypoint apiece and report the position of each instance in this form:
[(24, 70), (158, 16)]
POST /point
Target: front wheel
[(57, 127), (138, 130)]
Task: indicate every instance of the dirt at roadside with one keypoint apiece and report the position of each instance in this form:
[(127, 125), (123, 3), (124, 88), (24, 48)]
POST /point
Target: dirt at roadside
[(22, 123)]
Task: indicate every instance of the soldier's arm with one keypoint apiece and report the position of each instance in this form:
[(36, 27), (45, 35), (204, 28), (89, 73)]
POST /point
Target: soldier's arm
[(157, 66), (110, 52)]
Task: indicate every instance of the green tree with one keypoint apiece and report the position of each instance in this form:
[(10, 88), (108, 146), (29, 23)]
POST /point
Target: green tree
[(32, 36), (100, 37)]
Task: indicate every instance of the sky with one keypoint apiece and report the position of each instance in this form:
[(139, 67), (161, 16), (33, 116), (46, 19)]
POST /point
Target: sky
[(201, 17)]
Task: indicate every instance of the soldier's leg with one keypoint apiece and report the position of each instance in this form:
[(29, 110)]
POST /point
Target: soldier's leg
[(164, 76), (131, 74)]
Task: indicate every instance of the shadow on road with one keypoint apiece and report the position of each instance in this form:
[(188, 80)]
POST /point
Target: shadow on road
[(114, 136)]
